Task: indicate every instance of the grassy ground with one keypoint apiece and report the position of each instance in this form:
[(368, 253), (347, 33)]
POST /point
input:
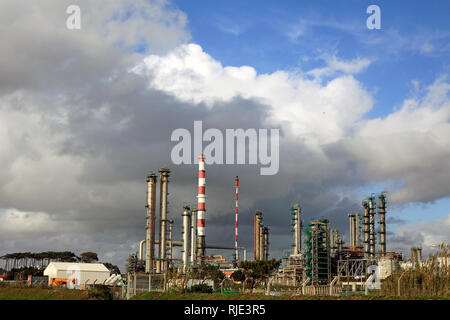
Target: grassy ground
[(42, 294), (248, 296)]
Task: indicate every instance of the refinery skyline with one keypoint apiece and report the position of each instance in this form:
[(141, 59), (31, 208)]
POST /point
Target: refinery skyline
[(86, 114)]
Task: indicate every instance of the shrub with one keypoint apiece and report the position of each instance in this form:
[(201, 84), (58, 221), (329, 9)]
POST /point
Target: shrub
[(201, 288), (101, 292)]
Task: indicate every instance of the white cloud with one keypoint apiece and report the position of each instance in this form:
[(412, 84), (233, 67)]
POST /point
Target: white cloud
[(318, 113), (334, 65), (423, 234), (409, 145)]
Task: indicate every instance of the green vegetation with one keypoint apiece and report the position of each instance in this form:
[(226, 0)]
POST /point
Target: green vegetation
[(29, 293), (428, 280), (100, 292), (258, 272), (200, 288), (88, 257), (173, 295)]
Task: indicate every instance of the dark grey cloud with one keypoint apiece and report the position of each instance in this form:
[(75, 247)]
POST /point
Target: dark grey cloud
[(80, 133)]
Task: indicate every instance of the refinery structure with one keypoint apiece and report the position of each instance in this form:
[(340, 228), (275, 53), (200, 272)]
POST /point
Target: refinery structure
[(319, 261)]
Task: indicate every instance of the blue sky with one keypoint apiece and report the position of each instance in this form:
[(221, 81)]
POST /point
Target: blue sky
[(274, 35), (409, 52)]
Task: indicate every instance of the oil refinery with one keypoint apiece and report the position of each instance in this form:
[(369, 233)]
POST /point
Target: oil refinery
[(319, 261)]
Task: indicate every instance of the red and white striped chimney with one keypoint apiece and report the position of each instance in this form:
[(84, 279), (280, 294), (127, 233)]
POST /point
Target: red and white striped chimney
[(201, 209)]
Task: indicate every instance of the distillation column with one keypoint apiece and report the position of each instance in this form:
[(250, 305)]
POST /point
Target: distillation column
[(201, 209), (261, 241), (366, 228), (382, 213), (372, 205), (150, 223), (186, 236), (161, 265), (266, 243), (297, 229), (257, 236), (358, 229), (352, 230)]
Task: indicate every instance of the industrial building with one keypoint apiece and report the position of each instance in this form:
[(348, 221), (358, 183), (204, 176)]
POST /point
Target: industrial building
[(79, 273)]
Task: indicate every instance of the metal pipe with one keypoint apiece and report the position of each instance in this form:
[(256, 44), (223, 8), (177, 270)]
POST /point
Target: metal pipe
[(150, 223), (141, 249), (161, 265), (201, 208), (171, 221), (186, 236)]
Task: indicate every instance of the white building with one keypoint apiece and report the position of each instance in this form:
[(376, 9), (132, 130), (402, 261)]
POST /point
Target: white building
[(79, 274)]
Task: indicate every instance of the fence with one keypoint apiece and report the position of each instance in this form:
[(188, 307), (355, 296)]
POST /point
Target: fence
[(138, 283)]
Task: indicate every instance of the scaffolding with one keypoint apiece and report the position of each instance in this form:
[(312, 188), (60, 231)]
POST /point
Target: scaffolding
[(317, 256)]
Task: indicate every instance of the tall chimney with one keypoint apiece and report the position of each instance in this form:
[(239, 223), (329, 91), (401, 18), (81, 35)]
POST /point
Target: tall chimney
[(352, 230), (382, 212), (161, 265), (296, 212), (201, 209), (186, 236), (366, 228), (236, 183), (194, 237), (358, 229), (171, 221), (266, 243), (257, 236), (150, 223)]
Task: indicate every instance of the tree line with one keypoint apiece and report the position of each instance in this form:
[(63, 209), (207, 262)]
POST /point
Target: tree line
[(40, 260)]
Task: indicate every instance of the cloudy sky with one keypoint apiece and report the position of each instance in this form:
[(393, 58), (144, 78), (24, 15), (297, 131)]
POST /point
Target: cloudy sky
[(86, 114)]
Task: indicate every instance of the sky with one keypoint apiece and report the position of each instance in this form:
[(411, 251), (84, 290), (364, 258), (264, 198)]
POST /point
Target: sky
[(86, 114)]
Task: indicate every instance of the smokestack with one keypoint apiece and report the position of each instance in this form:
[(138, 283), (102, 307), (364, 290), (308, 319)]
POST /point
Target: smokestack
[(372, 205), (186, 236), (296, 212), (171, 241), (261, 241), (194, 237), (352, 230), (236, 183), (266, 243), (201, 209), (358, 229), (161, 265), (150, 223), (257, 236), (382, 213), (366, 222)]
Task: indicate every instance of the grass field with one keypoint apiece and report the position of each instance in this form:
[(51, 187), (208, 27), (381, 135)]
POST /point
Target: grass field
[(248, 296), (42, 294), (66, 294)]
